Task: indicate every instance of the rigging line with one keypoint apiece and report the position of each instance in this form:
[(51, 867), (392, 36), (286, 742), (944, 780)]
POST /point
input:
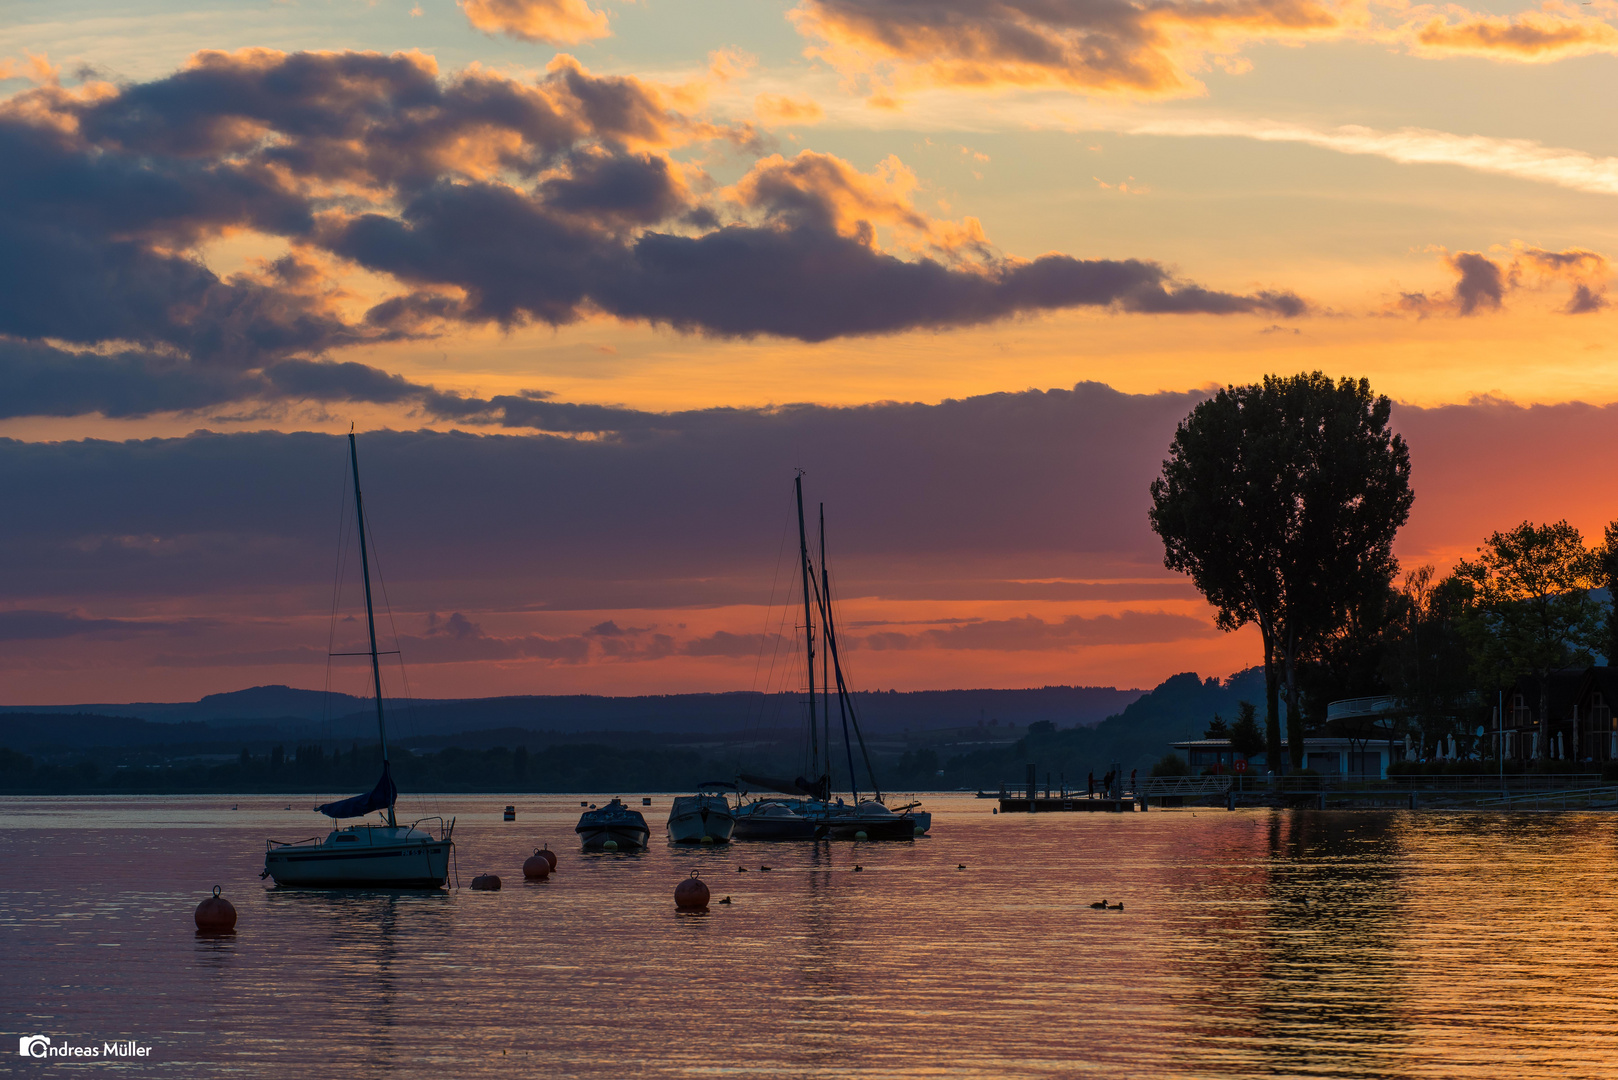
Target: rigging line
[(780, 553), (336, 589), (830, 635), (403, 721), (844, 695)]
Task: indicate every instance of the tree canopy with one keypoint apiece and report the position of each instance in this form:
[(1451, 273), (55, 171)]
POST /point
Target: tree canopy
[(1280, 500)]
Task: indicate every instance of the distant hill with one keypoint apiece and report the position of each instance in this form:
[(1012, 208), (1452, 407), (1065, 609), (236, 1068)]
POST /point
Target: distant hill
[(1178, 708), (254, 704), (312, 714)]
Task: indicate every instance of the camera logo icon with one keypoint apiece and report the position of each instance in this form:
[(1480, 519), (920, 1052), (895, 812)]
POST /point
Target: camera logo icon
[(34, 1045)]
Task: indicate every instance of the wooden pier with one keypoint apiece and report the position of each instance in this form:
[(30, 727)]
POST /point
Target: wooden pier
[(1021, 804)]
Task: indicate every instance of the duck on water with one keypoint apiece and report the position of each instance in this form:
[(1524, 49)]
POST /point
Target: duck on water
[(376, 856)]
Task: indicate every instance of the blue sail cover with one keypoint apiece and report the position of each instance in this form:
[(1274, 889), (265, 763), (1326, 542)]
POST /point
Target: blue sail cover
[(378, 798)]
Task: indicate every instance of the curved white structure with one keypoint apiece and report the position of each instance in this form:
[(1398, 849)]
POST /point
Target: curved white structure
[(363, 856), (701, 818)]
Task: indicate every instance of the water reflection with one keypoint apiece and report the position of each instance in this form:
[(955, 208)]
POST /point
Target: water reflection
[(1331, 944)]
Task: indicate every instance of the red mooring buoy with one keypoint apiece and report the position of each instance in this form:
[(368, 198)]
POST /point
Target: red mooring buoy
[(691, 894), (536, 867), (486, 883), (550, 856), (216, 914)]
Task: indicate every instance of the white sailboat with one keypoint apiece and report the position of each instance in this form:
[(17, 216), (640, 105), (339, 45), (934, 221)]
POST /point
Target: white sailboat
[(378, 856), (817, 815)]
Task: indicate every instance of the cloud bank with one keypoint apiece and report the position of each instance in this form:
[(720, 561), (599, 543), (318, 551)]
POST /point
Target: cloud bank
[(1004, 534), (482, 200), (1147, 50)]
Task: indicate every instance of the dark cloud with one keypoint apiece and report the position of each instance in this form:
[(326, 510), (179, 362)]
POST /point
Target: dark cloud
[(735, 646), (27, 625), (1586, 300), (486, 199), (459, 639), (1036, 497), (1106, 45), (1482, 283), (1028, 632), (41, 380)]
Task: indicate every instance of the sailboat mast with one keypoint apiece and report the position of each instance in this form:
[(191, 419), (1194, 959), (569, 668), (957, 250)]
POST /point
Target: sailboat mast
[(808, 618), (831, 647), (370, 612)]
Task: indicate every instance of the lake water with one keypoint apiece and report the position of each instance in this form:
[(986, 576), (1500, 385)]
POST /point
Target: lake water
[(1432, 945)]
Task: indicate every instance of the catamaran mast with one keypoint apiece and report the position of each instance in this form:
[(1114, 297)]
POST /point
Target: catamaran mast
[(808, 620), (370, 614)]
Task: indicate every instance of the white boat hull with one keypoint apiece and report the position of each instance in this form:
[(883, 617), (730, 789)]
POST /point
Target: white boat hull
[(692, 818), (410, 859)]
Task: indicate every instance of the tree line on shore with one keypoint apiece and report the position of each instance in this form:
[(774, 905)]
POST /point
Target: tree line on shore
[(1281, 500)]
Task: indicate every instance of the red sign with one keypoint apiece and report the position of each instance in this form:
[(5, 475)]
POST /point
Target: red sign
[(1241, 766)]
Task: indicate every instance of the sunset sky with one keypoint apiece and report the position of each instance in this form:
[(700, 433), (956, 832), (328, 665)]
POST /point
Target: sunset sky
[(593, 278)]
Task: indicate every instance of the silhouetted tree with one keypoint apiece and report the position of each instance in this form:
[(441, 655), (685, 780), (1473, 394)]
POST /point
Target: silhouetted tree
[(1281, 500), (1245, 737), (1533, 608), (1609, 581)]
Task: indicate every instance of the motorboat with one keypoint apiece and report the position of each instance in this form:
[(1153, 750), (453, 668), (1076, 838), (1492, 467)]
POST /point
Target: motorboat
[(614, 827), (374, 856), (703, 818)]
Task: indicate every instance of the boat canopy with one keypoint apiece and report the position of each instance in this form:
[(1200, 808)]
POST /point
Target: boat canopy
[(814, 789), (378, 798)]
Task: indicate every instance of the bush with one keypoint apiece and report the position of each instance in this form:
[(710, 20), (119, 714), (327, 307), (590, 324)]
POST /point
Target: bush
[(1171, 764)]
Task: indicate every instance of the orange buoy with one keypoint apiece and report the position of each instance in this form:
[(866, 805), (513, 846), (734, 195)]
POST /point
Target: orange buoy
[(549, 856), (216, 914), (691, 894), (486, 883), (536, 867)]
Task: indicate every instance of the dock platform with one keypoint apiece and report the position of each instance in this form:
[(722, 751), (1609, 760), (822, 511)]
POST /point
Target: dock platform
[(1022, 804)]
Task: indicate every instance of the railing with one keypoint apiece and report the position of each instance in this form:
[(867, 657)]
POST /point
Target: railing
[(1192, 786), (1563, 799)]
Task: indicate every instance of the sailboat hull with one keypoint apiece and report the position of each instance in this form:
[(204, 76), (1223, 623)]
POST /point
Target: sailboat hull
[(393, 866)]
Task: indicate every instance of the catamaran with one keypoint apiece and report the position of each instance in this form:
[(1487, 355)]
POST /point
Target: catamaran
[(385, 855), (814, 814)]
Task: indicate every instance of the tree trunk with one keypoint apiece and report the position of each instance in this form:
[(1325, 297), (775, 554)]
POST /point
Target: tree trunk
[(1272, 704), (1294, 713), (1544, 753)]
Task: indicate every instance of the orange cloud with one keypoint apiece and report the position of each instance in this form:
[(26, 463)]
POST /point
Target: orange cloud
[(1135, 50), (826, 191), (1533, 37), (555, 22), (779, 109)]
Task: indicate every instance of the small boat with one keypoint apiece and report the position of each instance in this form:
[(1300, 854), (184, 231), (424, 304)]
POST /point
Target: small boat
[(703, 818), (380, 856), (511, 813), (774, 819), (614, 827), (869, 820)]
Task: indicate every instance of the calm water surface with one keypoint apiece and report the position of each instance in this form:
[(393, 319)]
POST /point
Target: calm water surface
[(1432, 945)]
